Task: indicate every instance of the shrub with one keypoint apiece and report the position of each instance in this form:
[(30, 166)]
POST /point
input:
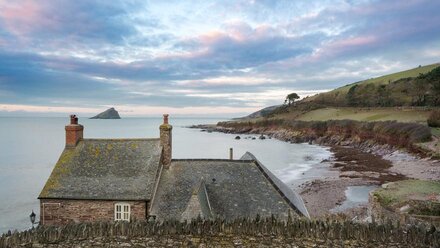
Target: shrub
[(398, 133), (434, 119)]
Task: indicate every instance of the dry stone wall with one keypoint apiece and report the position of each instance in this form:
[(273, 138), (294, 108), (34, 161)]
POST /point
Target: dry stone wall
[(219, 233)]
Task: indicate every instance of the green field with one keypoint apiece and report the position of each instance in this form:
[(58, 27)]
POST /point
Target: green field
[(367, 114)]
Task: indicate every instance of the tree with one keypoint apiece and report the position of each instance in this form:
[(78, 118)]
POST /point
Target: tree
[(291, 98), (351, 96), (384, 96), (434, 80), (419, 91)]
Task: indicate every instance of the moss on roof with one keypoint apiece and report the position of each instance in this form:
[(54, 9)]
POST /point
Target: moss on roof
[(236, 189), (119, 169)]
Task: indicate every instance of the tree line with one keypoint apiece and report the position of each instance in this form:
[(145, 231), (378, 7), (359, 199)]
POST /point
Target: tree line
[(423, 90)]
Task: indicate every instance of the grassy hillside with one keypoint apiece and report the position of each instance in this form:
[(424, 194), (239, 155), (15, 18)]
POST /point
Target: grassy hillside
[(382, 80), (416, 87), (407, 96)]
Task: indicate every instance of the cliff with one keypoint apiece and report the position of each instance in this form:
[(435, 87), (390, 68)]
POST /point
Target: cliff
[(110, 113)]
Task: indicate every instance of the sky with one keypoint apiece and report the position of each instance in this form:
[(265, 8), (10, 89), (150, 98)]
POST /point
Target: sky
[(200, 58)]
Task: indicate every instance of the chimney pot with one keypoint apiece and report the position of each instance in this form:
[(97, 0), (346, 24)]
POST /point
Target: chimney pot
[(73, 120), (165, 119)]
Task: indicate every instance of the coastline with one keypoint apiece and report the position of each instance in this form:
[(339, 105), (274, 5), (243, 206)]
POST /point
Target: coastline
[(355, 163)]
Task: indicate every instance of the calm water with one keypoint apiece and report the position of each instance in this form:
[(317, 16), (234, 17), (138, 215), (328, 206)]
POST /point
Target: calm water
[(355, 196), (29, 148)]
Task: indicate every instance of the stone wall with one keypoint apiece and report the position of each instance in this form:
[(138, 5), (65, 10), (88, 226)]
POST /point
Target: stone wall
[(61, 212), (219, 233)]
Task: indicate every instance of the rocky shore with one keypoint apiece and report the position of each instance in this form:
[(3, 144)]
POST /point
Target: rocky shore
[(355, 162)]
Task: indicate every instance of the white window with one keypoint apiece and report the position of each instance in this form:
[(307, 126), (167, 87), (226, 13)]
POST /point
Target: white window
[(122, 211)]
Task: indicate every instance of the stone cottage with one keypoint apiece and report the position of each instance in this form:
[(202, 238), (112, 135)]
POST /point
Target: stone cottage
[(128, 179)]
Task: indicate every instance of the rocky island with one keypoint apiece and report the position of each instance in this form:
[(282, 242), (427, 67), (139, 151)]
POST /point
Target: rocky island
[(110, 113)]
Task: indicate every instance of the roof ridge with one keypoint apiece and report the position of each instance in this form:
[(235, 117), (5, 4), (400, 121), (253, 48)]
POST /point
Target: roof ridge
[(121, 139), (211, 159), (268, 177)]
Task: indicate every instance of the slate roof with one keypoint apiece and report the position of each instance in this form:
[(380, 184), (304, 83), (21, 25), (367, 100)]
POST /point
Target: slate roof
[(235, 189), (198, 205), (106, 169), (287, 192)]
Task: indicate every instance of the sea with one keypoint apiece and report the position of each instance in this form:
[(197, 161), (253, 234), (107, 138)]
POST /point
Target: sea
[(30, 147)]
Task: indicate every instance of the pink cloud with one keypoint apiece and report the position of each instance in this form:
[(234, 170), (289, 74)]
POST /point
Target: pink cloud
[(27, 16), (210, 37), (237, 33), (353, 42), (341, 46)]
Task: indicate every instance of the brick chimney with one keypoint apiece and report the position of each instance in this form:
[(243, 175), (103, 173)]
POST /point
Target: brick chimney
[(74, 132), (165, 141)]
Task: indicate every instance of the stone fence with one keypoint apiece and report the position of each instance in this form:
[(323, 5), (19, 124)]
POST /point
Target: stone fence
[(241, 232)]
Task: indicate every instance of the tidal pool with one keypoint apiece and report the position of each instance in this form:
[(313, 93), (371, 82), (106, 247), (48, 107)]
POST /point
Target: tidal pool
[(355, 196)]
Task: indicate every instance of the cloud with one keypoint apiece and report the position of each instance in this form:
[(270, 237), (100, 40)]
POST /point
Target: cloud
[(90, 20), (240, 46), (197, 55), (228, 80)]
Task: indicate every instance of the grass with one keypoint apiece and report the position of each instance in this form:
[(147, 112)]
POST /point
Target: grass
[(398, 193), (367, 114), (392, 77), (339, 94), (435, 131)]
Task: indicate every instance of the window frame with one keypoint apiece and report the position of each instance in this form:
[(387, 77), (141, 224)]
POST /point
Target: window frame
[(124, 210)]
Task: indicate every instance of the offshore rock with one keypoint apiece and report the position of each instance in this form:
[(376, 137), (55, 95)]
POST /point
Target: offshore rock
[(110, 113)]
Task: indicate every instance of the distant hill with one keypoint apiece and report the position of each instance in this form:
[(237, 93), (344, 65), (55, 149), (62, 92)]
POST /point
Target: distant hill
[(110, 113), (416, 87), (406, 96), (261, 113)]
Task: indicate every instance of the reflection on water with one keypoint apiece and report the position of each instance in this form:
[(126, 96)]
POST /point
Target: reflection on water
[(29, 148), (355, 196)]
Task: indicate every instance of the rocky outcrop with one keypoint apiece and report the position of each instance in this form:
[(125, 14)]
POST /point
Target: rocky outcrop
[(110, 113)]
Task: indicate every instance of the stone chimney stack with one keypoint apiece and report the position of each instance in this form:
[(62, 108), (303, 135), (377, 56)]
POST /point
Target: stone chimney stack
[(74, 132), (166, 141)]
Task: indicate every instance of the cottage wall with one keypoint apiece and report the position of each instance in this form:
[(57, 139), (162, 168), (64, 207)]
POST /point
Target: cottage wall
[(61, 211)]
